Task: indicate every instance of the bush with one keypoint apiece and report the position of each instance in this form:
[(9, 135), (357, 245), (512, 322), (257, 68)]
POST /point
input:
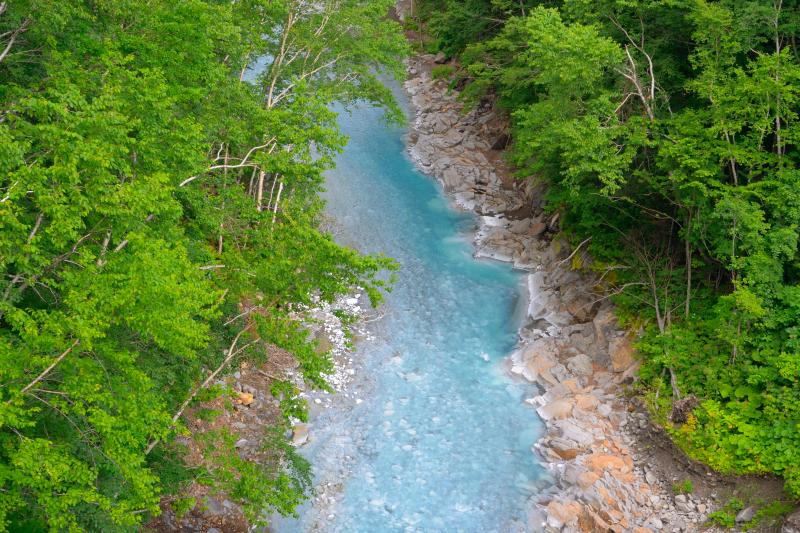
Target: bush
[(442, 72)]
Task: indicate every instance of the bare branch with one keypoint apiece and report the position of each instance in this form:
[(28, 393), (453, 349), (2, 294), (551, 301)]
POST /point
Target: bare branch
[(242, 164), (231, 352), (573, 252), (36, 225), (124, 242), (277, 201), (104, 249), (47, 370), (646, 96), (22, 28)]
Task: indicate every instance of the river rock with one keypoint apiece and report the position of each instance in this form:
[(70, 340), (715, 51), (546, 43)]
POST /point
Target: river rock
[(587, 479), (300, 434), (561, 514), (556, 410), (587, 402), (539, 359), (581, 364), (565, 448), (745, 515), (792, 523), (570, 430), (620, 350), (570, 345)]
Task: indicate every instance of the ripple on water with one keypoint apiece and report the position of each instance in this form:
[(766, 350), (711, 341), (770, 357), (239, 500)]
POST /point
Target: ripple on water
[(442, 441)]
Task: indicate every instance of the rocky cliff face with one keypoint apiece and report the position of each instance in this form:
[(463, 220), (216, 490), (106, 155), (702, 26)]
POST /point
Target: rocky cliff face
[(570, 345)]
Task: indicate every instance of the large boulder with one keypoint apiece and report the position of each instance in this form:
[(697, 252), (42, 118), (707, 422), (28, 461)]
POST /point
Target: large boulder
[(563, 514), (571, 431), (300, 434), (538, 361), (621, 351), (581, 365), (556, 410), (605, 324), (792, 523), (600, 462), (565, 448)]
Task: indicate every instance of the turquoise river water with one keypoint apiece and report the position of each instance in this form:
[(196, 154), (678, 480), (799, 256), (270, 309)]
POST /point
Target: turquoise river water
[(442, 439)]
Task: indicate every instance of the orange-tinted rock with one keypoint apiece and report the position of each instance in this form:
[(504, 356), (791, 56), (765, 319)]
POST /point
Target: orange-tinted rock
[(621, 352), (537, 229), (606, 496), (591, 522), (571, 384), (587, 479), (600, 462), (587, 402), (624, 477), (565, 449), (556, 410), (563, 513), (245, 398)]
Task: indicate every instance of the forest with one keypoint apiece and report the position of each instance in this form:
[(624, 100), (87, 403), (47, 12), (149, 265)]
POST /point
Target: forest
[(159, 222), (666, 132), (160, 217)]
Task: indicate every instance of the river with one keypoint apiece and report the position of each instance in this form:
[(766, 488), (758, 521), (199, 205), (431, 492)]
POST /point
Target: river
[(442, 439)]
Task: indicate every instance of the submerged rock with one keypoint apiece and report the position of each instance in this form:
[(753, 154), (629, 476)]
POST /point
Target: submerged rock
[(300, 434)]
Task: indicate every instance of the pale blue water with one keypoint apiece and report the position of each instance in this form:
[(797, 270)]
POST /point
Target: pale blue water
[(442, 440)]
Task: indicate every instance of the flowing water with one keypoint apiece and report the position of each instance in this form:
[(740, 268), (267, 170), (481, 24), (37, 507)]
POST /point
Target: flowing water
[(442, 440)]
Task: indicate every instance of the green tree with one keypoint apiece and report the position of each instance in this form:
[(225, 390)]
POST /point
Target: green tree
[(146, 193), (666, 133)]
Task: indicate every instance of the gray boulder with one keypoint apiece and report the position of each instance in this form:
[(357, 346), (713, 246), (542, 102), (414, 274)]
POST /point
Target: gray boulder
[(792, 523), (745, 515)]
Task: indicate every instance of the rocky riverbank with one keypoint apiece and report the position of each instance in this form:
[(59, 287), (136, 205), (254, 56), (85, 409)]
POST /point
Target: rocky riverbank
[(255, 410), (570, 345)]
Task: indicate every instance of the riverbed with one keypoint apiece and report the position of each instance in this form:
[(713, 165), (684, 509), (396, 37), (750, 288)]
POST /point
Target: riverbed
[(439, 438)]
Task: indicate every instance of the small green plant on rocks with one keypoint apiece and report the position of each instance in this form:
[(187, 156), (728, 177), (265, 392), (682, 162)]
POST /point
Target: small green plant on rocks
[(684, 487), (442, 72), (726, 515)]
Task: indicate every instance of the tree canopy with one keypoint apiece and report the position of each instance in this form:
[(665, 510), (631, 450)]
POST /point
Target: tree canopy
[(667, 132), (146, 191)]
